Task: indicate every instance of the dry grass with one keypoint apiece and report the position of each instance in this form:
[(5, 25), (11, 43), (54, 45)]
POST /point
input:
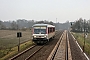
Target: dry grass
[(80, 39), (8, 40), (14, 50)]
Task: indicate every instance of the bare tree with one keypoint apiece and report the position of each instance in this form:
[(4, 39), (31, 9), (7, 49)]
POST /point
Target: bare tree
[(14, 25)]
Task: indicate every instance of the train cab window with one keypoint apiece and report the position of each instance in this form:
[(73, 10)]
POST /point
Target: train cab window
[(50, 29), (53, 29), (40, 30)]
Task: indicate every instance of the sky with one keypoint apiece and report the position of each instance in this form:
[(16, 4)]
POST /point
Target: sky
[(51, 10)]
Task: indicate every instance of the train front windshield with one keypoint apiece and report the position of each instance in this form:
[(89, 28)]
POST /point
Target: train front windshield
[(39, 30)]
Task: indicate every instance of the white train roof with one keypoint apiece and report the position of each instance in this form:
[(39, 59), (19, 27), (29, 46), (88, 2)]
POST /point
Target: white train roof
[(48, 25)]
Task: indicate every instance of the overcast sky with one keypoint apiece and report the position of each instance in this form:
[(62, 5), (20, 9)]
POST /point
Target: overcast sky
[(63, 10)]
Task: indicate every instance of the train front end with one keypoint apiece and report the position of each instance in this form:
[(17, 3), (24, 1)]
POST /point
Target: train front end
[(40, 34)]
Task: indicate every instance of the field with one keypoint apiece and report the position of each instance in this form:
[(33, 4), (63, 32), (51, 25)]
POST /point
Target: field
[(80, 38), (8, 40)]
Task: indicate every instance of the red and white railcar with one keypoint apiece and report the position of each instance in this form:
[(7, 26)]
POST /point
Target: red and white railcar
[(42, 32)]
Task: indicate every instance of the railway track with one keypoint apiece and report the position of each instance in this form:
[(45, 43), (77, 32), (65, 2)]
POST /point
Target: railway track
[(60, 51), (34, 53), (34, 50), (18, 56), (62, 47), (76, 53)]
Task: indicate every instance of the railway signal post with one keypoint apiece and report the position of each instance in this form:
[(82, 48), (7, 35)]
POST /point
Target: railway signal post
[(19, 34), (84, 37)]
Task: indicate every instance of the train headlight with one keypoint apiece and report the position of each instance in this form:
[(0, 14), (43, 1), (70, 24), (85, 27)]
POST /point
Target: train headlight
[(34, 36), (45, 36)]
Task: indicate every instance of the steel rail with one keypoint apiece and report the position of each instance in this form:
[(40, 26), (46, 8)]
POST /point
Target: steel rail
[(25, 51), (38, 50), (66, 51), (53, 53), (34, 53), (22, 53)]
